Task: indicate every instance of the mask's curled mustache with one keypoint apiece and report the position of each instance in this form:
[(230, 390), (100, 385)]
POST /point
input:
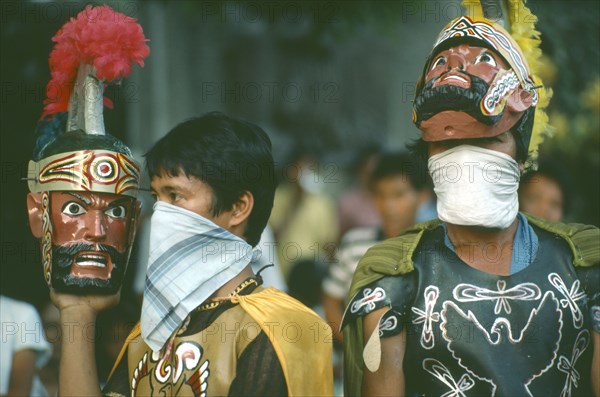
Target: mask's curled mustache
[(433, 100)]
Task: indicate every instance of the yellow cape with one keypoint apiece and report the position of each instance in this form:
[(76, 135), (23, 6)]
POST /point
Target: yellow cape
[(301, 339)]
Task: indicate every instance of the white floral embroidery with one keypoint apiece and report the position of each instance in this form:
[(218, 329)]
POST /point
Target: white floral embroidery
[(442, 373), (570, 297), (568, 366), (369, 298), (428, 316), (520, 292)]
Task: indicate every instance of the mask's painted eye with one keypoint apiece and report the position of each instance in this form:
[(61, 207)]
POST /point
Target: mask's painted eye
[(73, 208), (486, 57), (441, 61), (118, 212)]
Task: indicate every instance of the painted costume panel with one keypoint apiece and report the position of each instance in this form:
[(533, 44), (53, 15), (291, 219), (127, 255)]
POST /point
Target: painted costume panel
[(211, 351), (261, 342)]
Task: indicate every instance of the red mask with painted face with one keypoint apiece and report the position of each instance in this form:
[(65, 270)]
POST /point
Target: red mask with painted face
[(84, 181), (475, 84), (86, 238)]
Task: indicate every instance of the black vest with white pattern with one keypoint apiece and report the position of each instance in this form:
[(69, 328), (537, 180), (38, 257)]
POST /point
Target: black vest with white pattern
[(473, 333)]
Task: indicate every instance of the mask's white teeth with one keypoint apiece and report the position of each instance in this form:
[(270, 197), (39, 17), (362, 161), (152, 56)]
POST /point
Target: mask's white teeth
[(91, 263), (94, 260), (453, 77)]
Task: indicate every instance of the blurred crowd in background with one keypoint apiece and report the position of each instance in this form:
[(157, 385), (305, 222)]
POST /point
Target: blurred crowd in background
[(332, 84)]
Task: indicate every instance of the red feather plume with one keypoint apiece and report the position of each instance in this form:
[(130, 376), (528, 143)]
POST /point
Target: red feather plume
[(110, 41)]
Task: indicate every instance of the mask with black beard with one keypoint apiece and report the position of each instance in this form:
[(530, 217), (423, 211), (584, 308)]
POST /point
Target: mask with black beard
[(109, 262), (433, 100)]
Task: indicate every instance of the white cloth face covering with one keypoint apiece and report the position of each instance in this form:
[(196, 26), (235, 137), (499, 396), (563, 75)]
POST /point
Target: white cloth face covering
[(475, 186), (190, 258)]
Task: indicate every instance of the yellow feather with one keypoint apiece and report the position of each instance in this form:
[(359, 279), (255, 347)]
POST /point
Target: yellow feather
[(473, 8), (521, 24), (522, 28)]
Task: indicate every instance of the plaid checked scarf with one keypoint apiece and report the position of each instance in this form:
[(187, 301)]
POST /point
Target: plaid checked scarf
[(190, 258)]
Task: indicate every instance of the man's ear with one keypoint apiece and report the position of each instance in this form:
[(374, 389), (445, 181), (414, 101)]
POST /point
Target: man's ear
[(241, 209), (34, 209)]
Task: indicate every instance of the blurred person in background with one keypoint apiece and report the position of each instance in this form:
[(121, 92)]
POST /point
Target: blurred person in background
[(49, 373), (398, 188), (304, 219), (355, 207), (545, 192), (23, 351)]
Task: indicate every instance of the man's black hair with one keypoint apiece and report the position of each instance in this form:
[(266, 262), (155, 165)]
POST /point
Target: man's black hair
[(229, 155), (419, 148), (401, 164)]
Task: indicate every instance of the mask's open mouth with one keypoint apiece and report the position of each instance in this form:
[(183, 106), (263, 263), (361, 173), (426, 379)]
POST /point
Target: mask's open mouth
[(94, 264), (454, 78)]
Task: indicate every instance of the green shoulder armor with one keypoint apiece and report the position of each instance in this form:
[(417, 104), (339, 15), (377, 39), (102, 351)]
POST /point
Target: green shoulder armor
[(388, 258), (584, 240), (391, 257)]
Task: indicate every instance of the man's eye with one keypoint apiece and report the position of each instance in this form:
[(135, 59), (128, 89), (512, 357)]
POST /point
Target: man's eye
[(118, 212), (438, 62), (73, 209), (175, 197), (486, 58)]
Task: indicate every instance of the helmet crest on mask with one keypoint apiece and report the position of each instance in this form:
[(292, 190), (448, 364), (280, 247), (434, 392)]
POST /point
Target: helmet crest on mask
[(83, 181), (514, 99)]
